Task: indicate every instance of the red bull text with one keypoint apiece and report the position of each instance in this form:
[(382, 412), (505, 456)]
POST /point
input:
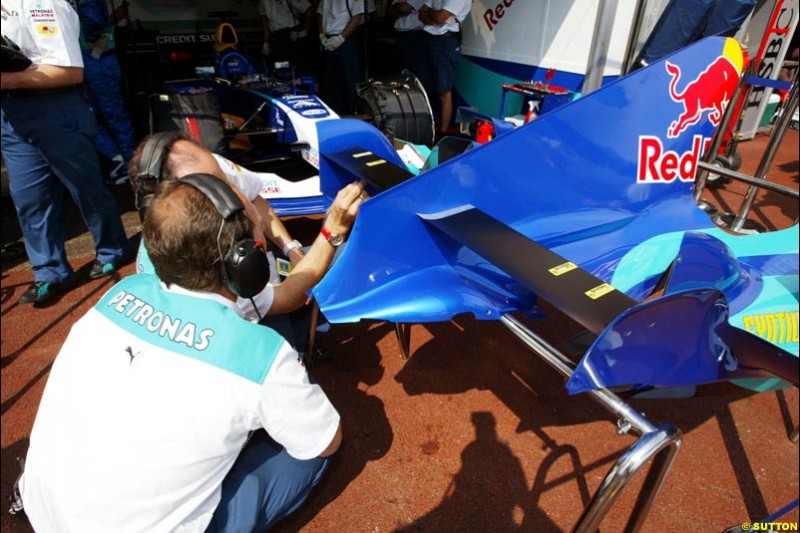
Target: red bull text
[(659, 166), (709, 92)]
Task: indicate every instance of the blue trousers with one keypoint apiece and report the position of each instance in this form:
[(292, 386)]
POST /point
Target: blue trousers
[(103, 78), (265, 485), (48, 146)]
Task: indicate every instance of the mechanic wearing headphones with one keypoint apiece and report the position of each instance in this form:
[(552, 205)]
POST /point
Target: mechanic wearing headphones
[(145, 419), (180, 156), (48, 134), (342, 39)]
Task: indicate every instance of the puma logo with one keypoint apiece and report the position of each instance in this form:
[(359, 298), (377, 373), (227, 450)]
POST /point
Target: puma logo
[(132, 355)]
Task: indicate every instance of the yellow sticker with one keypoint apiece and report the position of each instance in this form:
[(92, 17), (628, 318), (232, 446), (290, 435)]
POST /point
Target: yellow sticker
[(563, 268), (599, 291), (47, 29), (375, 163), (361, 154)]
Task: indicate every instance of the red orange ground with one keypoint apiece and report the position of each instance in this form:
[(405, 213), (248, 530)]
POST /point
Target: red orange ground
[(472, 433)]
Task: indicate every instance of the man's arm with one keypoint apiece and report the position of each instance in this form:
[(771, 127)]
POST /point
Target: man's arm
[(308, 19), (265, 27), (400, 9), (352, 25), (94, 18), (291, 294), (274, 229), (41, 77), (434, 17)]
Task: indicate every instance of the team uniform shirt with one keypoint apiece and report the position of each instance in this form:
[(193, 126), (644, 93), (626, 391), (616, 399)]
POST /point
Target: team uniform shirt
[(411, 21), (337, 13), (281, 14), (250, 184), (46, 31), (148, 404), (247, 181), (459, 9)]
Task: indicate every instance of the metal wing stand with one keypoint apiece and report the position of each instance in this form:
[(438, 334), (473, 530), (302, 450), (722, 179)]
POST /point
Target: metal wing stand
[(657, 443)]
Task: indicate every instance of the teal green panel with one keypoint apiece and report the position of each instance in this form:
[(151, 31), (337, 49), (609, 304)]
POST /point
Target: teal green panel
[(481, 89)]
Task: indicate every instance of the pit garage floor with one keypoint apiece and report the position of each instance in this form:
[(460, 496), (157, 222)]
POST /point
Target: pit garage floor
[(473, 432)]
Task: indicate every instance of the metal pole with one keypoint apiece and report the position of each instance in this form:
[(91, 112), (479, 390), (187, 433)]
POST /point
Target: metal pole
[(606, 11), (561, 362), (719, 134), (662, 445), (766, 161), (738, 176), (633, 36)]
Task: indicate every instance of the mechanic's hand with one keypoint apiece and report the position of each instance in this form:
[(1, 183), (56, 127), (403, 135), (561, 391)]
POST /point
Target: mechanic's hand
[(265, 50), (334, 42), (295, 36), (343, 211)]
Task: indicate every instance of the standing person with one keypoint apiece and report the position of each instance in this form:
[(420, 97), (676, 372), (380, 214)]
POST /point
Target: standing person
[(442, 24), (287, 25), (48, 133), (408, 33), (341, 36), (165, 410), (103, 77)]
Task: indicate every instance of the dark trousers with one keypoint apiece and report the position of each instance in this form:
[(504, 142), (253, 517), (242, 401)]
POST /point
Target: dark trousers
[(284, 49), (103, 78), (265, 485), (48, 143), (410, 49), (342, 70)]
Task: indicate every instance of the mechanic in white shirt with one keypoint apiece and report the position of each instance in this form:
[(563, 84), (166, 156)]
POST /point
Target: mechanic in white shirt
[(145, 419), (48, 143), (287, 26), (341, 36), (182, 156), (442, 25)]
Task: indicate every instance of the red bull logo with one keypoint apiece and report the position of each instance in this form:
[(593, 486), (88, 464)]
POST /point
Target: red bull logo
[(709, 92)]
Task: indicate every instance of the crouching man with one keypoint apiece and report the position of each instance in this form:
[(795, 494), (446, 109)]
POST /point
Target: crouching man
[(165, 410)]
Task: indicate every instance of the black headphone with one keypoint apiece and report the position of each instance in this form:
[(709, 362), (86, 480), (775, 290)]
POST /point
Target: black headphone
[(245, 268), (150, 165)]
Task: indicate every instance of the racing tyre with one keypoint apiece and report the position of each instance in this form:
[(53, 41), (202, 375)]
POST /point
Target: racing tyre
[(399, 107)]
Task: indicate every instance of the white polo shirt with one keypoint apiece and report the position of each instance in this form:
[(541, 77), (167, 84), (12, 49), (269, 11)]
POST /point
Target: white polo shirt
[(249, 183), (149, 403), (459, 9), (337, 13), (281, 15), (46, 31), (411, 21)]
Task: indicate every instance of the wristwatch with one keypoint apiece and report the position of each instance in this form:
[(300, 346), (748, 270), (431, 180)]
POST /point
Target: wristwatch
[(335, 239), (289, 246)]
